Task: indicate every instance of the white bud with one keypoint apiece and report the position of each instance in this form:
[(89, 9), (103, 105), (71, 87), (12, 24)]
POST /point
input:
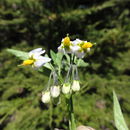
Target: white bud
[(66, 88), (75, 85), (55, 91), (46, 97)]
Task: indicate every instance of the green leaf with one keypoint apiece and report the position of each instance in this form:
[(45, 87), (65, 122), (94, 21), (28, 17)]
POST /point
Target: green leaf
[(68, 58), (20, 54), (59, 59), (45, 71), (53, 56), (81, 63), (48, 66), (118, 116)]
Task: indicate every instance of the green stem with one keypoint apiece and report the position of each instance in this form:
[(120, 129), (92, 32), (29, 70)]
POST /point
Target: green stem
[(72, 125), (51, 114)]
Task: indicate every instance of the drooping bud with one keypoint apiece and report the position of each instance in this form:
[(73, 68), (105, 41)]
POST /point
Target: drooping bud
[(55, 91), (75, 85), (66, 88), (46, 97)]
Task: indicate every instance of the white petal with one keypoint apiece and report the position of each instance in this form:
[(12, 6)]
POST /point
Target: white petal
[(75, 48), (41, 52), (41, 61), (37, 51), (45, 59), (80, 54), (38, 64), (61, 49), (77, 41)]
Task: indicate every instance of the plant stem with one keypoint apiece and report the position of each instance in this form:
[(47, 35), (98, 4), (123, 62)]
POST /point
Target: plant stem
[(51, 114), (72, 125)]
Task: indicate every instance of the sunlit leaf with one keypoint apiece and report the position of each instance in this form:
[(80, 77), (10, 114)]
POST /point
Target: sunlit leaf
[(59, 59), (20, 54), (53, 56), (81, 63), (118, 116)]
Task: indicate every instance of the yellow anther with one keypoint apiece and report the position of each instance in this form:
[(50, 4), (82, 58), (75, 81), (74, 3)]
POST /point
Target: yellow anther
[(87, 45), (27, 62), (66, 41)]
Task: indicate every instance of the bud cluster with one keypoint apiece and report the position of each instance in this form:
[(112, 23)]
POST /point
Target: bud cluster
[(55, 91)]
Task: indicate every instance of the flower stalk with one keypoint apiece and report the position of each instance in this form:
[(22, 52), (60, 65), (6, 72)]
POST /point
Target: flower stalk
[(51, 115), (72, 124)]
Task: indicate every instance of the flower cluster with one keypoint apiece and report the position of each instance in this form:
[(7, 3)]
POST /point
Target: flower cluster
[(55, 91), (77, 47), (61, 82), (35, 58)]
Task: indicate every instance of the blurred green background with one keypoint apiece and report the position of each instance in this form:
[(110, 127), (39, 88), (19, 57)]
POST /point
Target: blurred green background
[(28, 24)]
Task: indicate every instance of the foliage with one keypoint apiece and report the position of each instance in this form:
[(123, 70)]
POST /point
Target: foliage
[(118, 116), (27, 24)]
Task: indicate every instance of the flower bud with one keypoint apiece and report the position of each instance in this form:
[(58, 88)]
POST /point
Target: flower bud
[(66, 88), (75, 85), (46, 97), (55, 91)]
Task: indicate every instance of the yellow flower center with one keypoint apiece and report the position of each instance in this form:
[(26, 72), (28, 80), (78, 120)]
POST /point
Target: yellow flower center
[(28, 62), (87, 45), (66, 41)]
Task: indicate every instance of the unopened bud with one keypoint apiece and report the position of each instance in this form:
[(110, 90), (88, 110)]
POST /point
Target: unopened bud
[(55, 91), (66, 88), (46, 97), (75, 85)]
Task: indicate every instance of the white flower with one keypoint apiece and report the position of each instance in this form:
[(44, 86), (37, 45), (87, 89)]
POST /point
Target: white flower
[(77, 47), (61, 49), (77, 41), (77, 50), (80, 54), (35, 58), (66, 88), (37, 51), (75, 85), (65, 46), (55, 91), (46, 97), (80, 48)]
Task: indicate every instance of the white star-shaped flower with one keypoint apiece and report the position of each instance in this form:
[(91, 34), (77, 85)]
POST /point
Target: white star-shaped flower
[(35, 58)]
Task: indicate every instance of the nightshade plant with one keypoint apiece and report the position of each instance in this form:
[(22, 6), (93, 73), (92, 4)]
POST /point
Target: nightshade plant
[(63, 66)]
